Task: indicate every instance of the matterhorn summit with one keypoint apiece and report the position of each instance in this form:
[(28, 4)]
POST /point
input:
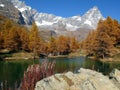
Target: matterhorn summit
[(91, 18)]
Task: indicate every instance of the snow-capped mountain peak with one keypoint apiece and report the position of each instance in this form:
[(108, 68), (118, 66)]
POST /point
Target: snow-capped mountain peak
[(53, 22), (95, 8), (91, 18)]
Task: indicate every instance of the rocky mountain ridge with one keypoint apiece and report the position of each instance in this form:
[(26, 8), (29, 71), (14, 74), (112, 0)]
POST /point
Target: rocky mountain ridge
[(76, 26), (49, 21), (7, 9)]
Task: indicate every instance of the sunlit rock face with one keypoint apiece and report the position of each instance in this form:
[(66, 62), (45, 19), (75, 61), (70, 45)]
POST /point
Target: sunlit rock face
[(7, 9), (85, 79)]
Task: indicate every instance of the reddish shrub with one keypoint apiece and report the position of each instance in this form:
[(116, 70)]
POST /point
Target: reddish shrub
[(35, 73)]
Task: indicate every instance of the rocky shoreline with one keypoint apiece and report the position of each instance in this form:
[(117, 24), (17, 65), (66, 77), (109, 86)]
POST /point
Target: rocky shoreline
[(85, 79)]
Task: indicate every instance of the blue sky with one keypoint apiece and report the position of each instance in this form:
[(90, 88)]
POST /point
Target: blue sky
[(67, 8)]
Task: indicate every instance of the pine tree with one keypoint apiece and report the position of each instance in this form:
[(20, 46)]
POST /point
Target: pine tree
[(63, 45), (116, 32), (90, 42), (8, 24), (53, 46), (11, 39), (1, 40), (34, 39), (24, 39), (109, 26), (104, 46), (74, 45), (100, 43)]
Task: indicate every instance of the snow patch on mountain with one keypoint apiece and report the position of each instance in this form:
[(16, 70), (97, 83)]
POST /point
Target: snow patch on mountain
[(71, 27), (43, 23), (22, 9), (88, 20), (77, 18), (2, 5)]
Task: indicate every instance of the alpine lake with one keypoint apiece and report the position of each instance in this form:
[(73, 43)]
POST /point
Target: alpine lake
[(11, 72)]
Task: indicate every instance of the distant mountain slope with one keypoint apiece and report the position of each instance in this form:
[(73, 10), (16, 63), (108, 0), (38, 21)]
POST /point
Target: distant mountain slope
[(78, 26), (27, 12), (7, 9), (49, 21)]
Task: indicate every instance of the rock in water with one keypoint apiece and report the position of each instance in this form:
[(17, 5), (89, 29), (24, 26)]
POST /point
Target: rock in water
[(84, 80)]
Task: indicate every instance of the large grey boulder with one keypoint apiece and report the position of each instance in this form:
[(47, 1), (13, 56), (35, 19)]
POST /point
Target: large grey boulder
[(85, 79)]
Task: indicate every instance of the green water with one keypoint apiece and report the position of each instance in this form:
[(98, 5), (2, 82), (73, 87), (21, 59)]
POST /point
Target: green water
[(74, 64), (11, 72)]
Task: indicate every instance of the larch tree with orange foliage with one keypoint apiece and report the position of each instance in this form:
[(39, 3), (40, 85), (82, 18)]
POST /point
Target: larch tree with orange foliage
[(24, 39), (63, 45), (104, 46), (34, 39), (52, 46), (102, 42), (74, 45), (11, 39), (1, 40)]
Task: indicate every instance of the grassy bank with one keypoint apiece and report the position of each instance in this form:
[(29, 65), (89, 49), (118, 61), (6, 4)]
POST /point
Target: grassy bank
[(58, 56), (73, 54), (76, 54), (115, 58), (20, 56)]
